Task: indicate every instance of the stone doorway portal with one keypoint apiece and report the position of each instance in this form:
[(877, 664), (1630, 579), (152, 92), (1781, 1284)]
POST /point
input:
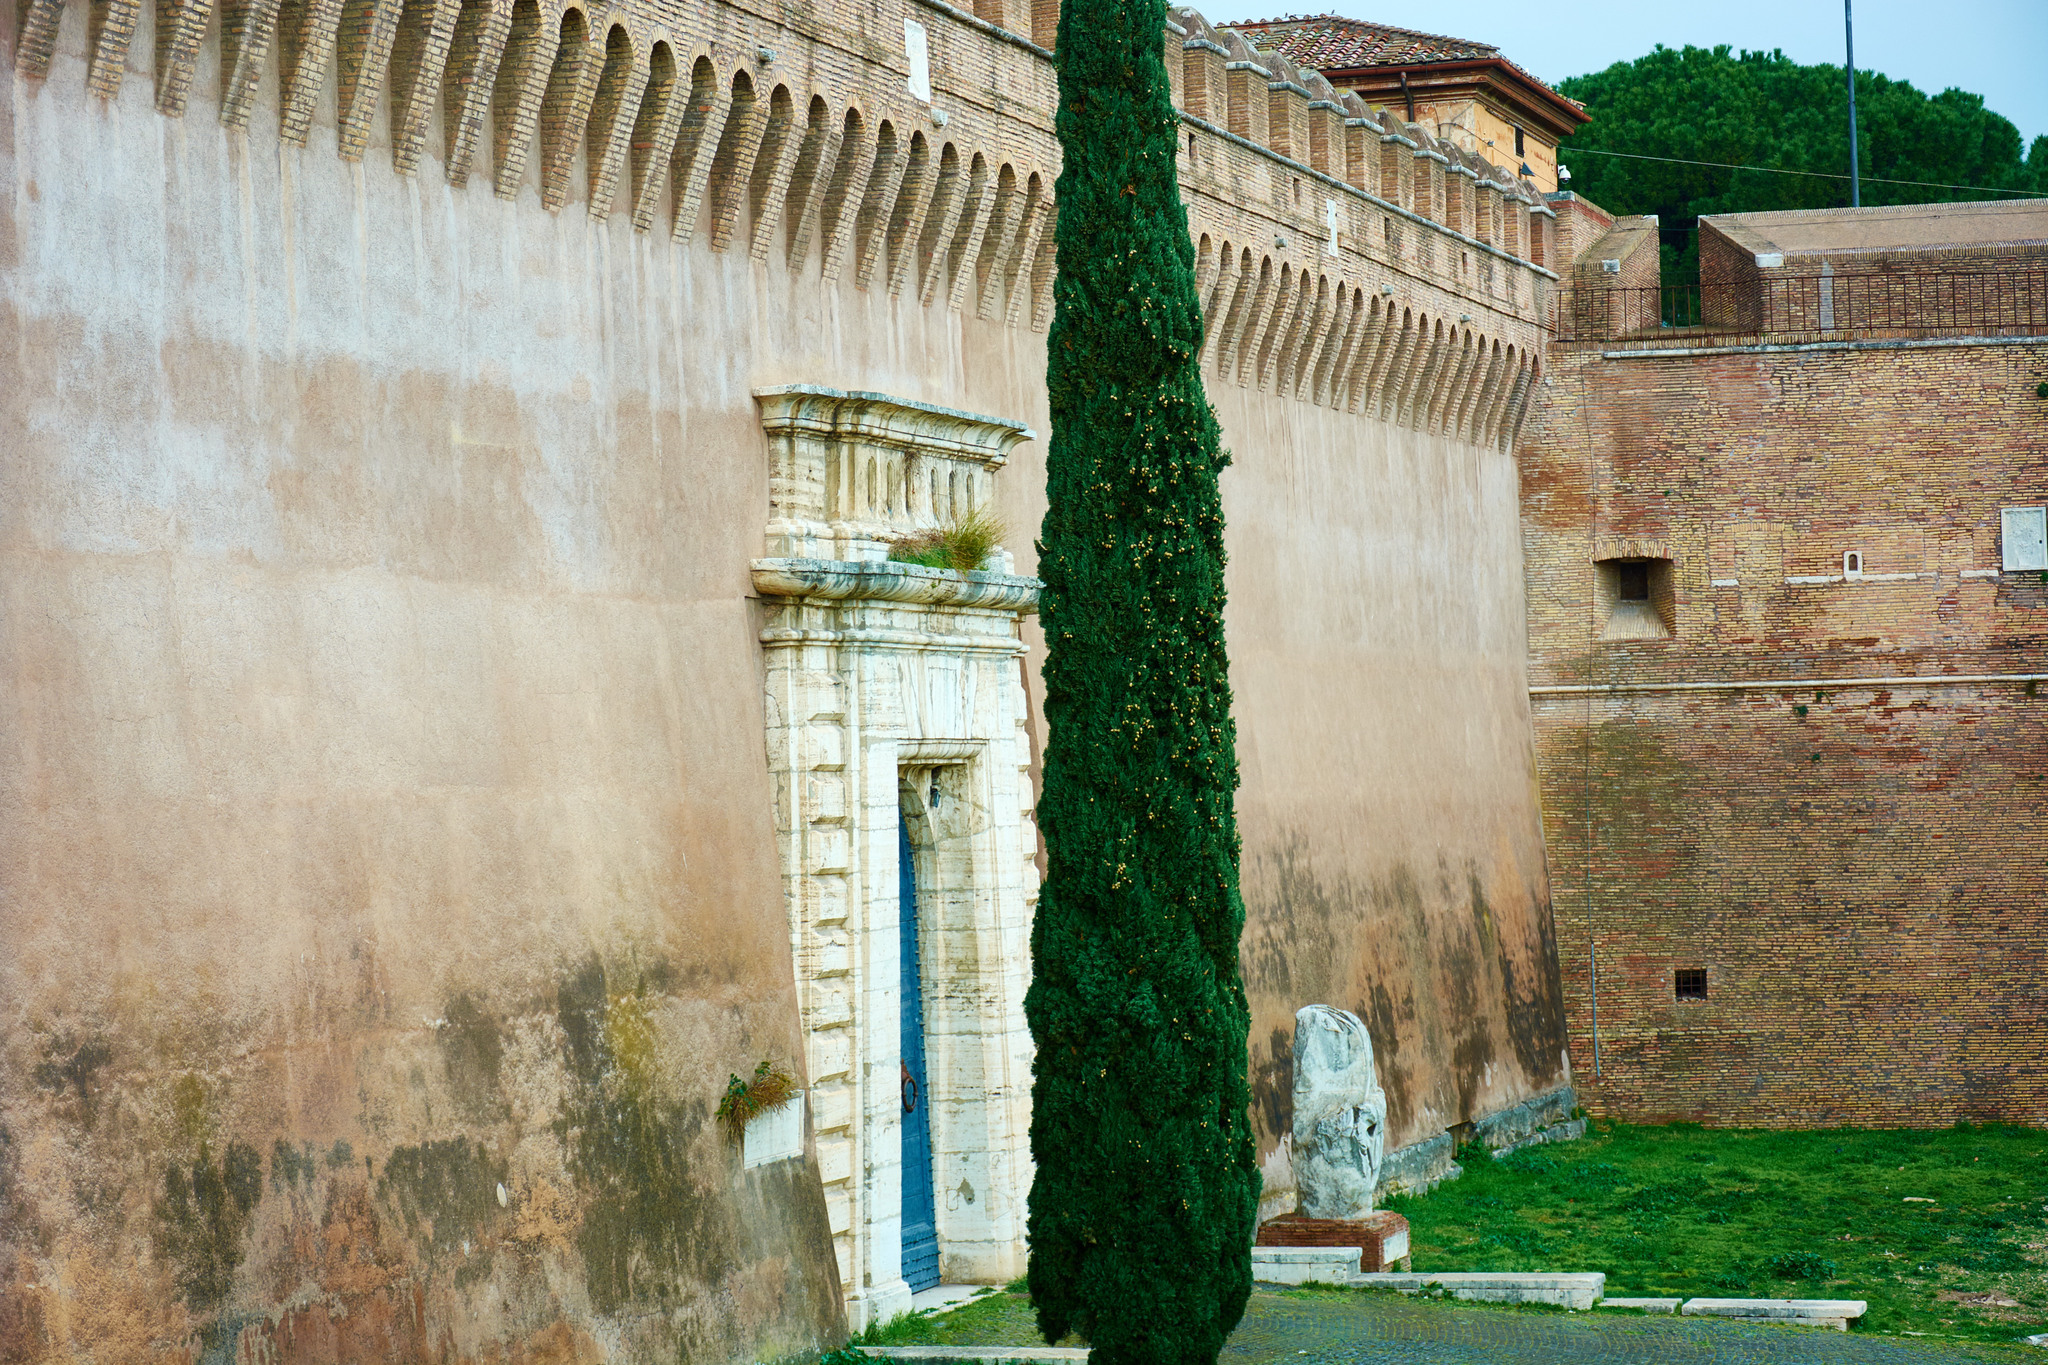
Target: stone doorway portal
[(895, 711)]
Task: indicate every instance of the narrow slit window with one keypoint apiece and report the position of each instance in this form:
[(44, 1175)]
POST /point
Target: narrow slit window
[(1633, 580), (1689, 983), (1518, 142)]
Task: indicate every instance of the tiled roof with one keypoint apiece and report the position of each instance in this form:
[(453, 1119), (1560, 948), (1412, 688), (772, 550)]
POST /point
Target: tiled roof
[(1330, 42)]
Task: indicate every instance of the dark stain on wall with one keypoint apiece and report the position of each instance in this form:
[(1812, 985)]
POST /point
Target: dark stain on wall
[(1272, 1078), (444, 1192), (1380, 1013), (292, 1167), (472, 1051), (201, 1217), (647, 1222), (69, 1070), (1534, 995), (1430, 968)]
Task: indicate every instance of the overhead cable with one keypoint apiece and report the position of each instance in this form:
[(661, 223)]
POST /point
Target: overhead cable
[(1780, 170)]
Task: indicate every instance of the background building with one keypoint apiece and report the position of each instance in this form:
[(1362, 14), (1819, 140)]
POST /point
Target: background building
[(1466, 93)]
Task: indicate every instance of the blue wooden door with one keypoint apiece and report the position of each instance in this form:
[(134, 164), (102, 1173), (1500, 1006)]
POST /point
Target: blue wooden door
[(920, 1224)]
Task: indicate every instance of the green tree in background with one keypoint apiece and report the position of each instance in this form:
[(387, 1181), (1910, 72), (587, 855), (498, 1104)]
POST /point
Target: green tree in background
[(1764, 109), (1142, 1209)]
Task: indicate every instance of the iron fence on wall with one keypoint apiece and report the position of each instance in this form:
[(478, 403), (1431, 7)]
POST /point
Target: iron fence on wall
[(1808, 306)]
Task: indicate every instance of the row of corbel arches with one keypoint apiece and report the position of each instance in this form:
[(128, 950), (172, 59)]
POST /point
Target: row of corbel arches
[(525, 86), (1298, 333)]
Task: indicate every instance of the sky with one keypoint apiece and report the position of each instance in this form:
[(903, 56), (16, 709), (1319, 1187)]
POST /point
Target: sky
[(1995, 48)]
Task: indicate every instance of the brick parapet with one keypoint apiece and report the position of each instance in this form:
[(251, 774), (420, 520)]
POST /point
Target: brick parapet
[(759, 106)]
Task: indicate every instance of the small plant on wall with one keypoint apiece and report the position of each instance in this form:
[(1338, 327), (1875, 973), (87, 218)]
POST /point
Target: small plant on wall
[(770, 1089), (961, 544)]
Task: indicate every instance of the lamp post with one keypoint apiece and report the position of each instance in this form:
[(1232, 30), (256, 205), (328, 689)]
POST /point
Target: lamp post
[(1849, 38)]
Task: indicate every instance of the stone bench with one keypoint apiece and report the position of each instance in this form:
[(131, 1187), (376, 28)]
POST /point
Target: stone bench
[(1835, 1313), (1642, 1305)]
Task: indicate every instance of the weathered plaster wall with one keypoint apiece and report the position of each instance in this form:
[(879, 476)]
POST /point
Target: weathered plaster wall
[(385, 802), (1392, 865)]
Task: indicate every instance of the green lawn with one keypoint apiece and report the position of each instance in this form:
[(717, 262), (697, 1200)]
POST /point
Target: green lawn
[(1683, 1210)]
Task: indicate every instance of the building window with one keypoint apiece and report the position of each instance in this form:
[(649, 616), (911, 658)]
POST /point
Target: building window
[(1852, 563), (1518, 142), (1689, 983), (1635, 598)]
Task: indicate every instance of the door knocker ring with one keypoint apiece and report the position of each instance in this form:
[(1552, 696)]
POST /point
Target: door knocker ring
[(909, 1090)]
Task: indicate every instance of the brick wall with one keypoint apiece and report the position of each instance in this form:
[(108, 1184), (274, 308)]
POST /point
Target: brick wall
[(1858, 868)]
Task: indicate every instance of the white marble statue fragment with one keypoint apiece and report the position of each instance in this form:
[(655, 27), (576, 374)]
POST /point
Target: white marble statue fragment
[(1340, 1114)]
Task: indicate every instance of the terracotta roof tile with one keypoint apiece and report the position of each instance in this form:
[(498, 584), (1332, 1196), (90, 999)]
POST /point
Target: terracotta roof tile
[(1330, 42)]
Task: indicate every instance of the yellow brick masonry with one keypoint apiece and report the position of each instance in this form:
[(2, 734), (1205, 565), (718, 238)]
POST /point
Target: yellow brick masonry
[(796, 139)]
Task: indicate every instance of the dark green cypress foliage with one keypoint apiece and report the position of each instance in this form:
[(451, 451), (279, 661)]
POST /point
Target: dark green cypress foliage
[(1147, 1187)]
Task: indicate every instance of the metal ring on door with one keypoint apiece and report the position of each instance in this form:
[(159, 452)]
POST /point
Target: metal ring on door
[(909, 1090)]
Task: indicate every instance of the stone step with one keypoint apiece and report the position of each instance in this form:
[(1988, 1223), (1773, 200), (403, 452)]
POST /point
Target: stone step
[(1642, 1305), (1300, 1265), (1577, 1291), (971, 1355), (1835, 1313)]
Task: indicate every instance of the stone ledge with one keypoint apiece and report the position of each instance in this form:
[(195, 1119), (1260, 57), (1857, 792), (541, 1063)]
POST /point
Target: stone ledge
[(1835, 1313), (1418, 1168), (966, 1355), (1569, 1131), (1641, 1305), (889, 581), (1510, 1126), (1578, 1291)]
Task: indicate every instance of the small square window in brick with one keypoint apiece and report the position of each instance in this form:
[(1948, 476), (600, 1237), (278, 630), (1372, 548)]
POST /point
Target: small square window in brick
[(1689, 983)]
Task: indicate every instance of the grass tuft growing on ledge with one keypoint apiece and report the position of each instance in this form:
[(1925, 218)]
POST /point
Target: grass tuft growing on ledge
[(962, 544)]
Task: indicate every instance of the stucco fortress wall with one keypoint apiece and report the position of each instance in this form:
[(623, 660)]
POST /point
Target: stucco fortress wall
[(389, 872)]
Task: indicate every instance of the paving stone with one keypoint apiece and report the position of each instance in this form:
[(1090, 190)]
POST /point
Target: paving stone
[(1339, 1328)]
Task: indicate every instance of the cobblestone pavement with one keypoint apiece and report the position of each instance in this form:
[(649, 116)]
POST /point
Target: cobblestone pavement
[(1348, 1328)]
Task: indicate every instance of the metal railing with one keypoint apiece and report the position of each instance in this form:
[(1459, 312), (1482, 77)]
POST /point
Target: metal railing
[(1807, 305)]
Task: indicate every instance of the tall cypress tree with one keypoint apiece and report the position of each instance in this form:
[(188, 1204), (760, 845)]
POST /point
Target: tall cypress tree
[(1147, 1187)]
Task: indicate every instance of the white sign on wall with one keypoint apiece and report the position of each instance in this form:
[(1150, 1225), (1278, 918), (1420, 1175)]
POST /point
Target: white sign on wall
[(776, 1135), (2023, 535), (1330, 220), (918, 49)]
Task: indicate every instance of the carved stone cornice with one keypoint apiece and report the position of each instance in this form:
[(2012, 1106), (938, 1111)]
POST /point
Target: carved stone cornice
[(887, 581)]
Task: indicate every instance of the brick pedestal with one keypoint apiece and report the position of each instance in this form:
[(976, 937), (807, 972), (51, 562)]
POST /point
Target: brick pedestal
[(1381, 1238)]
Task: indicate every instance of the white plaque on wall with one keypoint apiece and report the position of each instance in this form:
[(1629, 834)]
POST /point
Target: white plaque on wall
[(919, 51), (2023, 536)]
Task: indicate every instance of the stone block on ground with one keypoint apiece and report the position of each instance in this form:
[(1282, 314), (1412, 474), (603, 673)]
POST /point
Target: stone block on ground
[(1381, 1238), (1642, 1305), (975, 1355), (1576, 1290), (1304, 1265), (1835, 1313)]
